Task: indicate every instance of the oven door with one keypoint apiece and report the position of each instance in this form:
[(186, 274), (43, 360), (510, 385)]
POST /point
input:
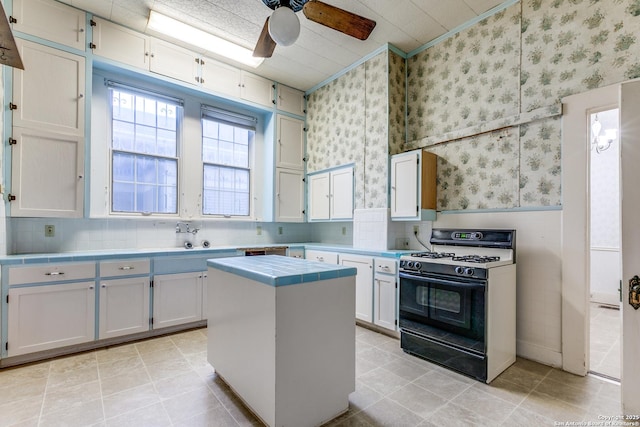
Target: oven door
[(448, 303)]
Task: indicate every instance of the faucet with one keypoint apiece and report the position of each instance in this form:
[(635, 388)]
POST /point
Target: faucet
[(187, 228), (179, 227)]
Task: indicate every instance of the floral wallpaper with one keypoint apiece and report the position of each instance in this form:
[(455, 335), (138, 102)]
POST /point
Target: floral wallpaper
[(358, 118), (520, 61)]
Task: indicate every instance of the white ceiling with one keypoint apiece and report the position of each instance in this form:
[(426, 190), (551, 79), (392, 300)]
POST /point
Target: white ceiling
[(320, 52)]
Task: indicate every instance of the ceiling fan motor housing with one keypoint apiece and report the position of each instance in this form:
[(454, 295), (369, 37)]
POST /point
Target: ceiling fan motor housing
[(295, 5)]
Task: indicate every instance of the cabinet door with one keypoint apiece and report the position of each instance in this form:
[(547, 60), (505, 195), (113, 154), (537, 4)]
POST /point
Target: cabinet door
[(364, 285), (290, 100), (50, 20), (256, 89), (173, 61), (319, 196), (220, 77), (124, 307), (342, 194), (177, 299), (120, 44), (384, 301), (49, 92), (404, 184), (50, 316), (289, 195), (290, 147), (47, 172)]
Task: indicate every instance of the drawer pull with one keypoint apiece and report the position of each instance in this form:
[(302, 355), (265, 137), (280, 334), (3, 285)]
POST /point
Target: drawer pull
[(127, 267), (54, 273)]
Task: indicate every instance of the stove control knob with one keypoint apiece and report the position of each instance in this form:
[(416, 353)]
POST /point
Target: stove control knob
[(459, 270), (409, 264), (417, 265), (468, 271), (402, 263)]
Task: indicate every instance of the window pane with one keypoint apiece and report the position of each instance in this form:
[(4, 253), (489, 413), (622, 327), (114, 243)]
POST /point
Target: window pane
[(167, 197), (210, 150), (123, 167), (240, 156), (123, 197), (145, 111), (145, 140), (146, 198), (123, 135), (209, 128), (123, 106), (166, 116), (226, 132), (146, 170), (166, 143), (226, 153), (167, 173)]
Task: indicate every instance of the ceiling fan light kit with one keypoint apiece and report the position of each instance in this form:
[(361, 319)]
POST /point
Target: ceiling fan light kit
[(284, 26)]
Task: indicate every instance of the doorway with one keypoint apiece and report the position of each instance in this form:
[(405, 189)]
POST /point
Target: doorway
[(604, 240)]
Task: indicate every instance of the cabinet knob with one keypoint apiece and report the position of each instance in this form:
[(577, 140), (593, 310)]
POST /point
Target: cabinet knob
[(81, 30), (91, 287), (81, 96), (104, 286)]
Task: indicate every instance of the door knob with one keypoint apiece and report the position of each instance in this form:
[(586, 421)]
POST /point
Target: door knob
[(634, 292)]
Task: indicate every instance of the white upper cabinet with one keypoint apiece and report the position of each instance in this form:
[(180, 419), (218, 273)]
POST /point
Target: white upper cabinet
[(319, 205), (173, 61), (120, 44), (290, 100), (290, 143), (331, 195), (51, 21), (342, 194), (219, 77), (49, 93), (413, 186), (256, 89), (47, 174), (289, 195)]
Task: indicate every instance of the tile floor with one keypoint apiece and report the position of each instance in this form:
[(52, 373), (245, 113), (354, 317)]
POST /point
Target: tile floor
[(604, 351), (167, 381)]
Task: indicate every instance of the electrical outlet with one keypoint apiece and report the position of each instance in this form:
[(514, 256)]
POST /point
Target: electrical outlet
[(279, 230), (49, 230), (416, 229), (259, 230), (344, 231)]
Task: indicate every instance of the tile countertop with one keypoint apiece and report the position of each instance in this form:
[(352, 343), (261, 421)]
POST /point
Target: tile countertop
[(216, 251), (277, 270)]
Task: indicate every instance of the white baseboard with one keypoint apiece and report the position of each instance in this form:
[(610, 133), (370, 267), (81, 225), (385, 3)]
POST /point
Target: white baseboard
[(539, 354)]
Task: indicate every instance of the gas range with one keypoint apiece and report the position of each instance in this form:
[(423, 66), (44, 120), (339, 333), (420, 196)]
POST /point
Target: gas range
[(464, 253)]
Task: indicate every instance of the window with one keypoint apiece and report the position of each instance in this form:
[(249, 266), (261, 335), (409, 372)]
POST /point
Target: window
[(227, 140), (144, 152)]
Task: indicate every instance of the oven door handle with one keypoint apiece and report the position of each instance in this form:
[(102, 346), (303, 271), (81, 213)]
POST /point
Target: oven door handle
[(469, 283), (444, 344)]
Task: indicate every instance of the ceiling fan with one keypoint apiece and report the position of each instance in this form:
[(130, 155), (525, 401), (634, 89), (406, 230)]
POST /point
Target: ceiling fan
[(283, 26)]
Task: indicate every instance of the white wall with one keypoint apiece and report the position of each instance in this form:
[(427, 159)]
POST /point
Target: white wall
[(539, 276)]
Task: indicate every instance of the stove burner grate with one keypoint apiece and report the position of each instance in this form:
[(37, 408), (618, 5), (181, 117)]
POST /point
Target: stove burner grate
[(433, 255), (476, 258)]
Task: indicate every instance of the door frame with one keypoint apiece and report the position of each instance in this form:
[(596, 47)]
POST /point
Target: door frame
[(576, 208), (576, 230)]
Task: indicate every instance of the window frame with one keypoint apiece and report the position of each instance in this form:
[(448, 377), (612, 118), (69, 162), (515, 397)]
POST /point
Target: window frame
[(237, 120), (157, 96)]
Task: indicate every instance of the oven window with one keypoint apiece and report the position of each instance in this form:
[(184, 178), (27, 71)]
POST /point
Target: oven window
[(446, 300), (422, 296)]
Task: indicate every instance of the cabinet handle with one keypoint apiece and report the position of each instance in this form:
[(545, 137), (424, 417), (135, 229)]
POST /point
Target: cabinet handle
[(54, 273), (321, 259), (127, 267)]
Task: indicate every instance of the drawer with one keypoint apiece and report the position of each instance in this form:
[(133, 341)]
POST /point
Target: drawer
[(125, 267), (51, 272), (321, 256), (386, 265)]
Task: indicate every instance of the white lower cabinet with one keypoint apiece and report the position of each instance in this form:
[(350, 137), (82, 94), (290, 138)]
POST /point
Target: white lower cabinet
[(124, 307), (364, 284), (177, 299), (385, 294), (45, 317)]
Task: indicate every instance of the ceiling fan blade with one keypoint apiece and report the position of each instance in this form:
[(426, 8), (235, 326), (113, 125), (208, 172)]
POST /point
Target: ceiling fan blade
[(339, 19), (265, 46)]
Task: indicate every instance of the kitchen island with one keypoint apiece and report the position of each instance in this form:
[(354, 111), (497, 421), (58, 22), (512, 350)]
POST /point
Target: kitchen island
[(282, 336)]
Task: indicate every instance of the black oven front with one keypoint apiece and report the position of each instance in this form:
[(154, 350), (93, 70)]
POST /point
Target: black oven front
[(442, 319)]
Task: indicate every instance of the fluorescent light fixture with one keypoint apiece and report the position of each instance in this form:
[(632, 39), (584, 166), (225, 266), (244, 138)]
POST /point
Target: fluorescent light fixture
[(195, 37)]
